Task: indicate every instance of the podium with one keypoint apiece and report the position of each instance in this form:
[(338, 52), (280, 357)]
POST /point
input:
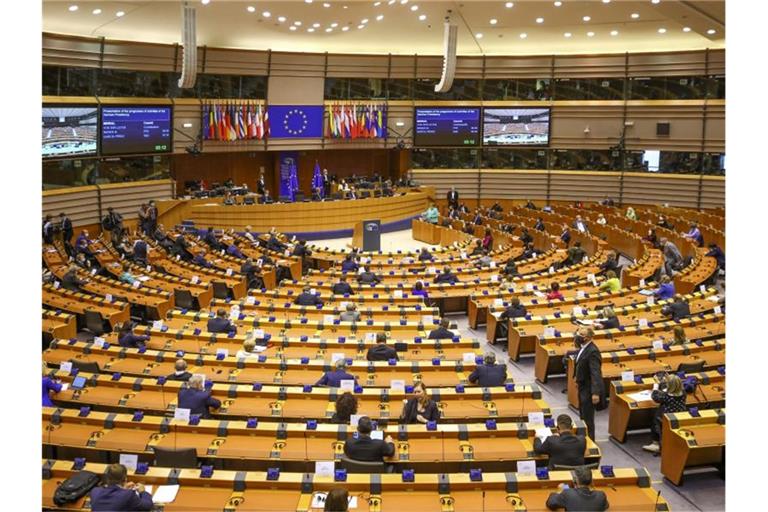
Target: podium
[(367, 235)]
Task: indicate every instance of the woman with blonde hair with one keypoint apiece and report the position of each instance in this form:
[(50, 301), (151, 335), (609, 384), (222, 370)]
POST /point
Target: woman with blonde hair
[(671, 398), (610, 320), (679, 337)]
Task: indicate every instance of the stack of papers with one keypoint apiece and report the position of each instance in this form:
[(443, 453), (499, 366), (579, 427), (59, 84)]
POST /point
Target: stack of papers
[(646, 292), (641, 396)]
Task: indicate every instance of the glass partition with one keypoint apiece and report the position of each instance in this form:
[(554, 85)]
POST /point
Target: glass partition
[(589, 89), (517, 89), (445, 158), (91, 171), (462, 89), (583, 160)]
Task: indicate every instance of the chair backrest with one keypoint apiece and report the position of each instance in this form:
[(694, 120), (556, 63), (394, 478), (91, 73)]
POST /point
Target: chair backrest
[(358, 466), (220, 290), (248, 200), (94, 322), (86, 366), (691, 367), (175, 457), (183, 299)]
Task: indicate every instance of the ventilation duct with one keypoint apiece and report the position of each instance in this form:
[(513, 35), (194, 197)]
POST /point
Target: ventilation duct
[(189, 47)]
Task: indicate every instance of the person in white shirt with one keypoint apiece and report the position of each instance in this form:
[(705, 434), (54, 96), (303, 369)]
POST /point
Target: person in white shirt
[(249, 235), (601, 220)]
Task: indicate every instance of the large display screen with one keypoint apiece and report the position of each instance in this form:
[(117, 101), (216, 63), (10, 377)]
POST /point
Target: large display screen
[(447, 126), (70, 131), (516, 126), (135, 129)]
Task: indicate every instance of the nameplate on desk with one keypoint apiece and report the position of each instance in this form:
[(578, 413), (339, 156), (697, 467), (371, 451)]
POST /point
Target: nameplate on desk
[(498, 302), (250, 300), (642, 323), (551, 270), (260, 262), (533, 255), (427, 320), (529, 287), (493, 264), (98, 342), (580, 294), (468, 357), (65, 366), (130, 461), (258, 333), (149, 268), (526, 467), (337, 356), (328, 319), (222, 352), (56, 285), (628, 375), (370, 336), (181, 414), (658, 345), (642, 283), (325, 468), (229, 272), (318, 501), (157, 324), (718, 310), (377, 434), (577, 311), (397, 385), (108, 297), (136, 284), (585, 259), (347, 385), (398, 294), (549, 332), (537, 418), (703, 288), (354, 419), (651, 301), (592, 279), (194, 279), (313, 291)]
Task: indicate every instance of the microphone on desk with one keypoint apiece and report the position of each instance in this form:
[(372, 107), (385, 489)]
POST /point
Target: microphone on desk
[(658, 497), (483, 501)]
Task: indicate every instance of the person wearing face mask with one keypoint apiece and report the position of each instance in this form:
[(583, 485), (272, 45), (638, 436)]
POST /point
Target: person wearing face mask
[(589, 378)]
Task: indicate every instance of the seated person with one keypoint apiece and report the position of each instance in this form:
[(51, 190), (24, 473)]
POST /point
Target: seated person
[(50, 384), (351, 314), (446, 277), (117, 494), (380, 351), (694, 235), (664, 223), (342, 287), (306, 298), (349, 264), (430, 215), (346, 406), (678, 310), (580, 225), (273, 244), (609, 321), (514, 310), (368, 277), (666, 289), (526, 237), (420, 408), (212, 240), (510, 268), (71, 282), (528, 253), (220, 323), (418, 289), (652, 238), (140, 252), (128, 339), (248, 234), (366, 449), (252, 274), (554, 292), (576, 254), (484, 261), (196, 399), (565, 236), (670, 396), (539, 224), (442, 332), (601, 219), (300, 249), (425, 255), (233, 249), (199, 259), (489, 373), (248, 350), (180, 371), (333, 378), (611, 263), (581, 497), (678, 335), (611, 283), (477, 249), (716, 252), (564, 448)]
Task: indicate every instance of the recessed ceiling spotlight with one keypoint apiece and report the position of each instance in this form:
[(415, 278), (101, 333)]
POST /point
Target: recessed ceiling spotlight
[(509, 5), (344, 29), (539, 20), (250, 8), (316, 25), (364, 21), (403, 2), (479, 35), (655, 1), (73, 8), (297, 23), (329, 29), (205, 2), (606, 1), (614, 32), (310, 29), (376, 4), (422, 17), (326, 4), (379, 17), (586, 18), (567, 34), (96, 11), (634, 15), (281, 19), (414, 7), (711, 31), (391, 2), (308, 1), (590, 34), (292, 28), (120, 14), (494, 21), (345, 7), (686, 29), (662, 30), (558, 4), (334, 25), (361, 26), (523, 35), (266, 14)]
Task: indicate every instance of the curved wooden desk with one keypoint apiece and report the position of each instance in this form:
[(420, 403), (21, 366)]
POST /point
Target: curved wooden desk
[(308, 217)]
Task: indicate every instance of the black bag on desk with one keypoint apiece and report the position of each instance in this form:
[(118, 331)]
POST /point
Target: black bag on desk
[(75, 487)]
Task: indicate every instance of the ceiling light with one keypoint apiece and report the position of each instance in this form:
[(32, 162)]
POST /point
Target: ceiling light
[(266, 14), (96, 11), (422, 17), (344, 7), (361, 26), (686, 29), (250, 8), (376, 4), (186, 125), (310, 29), (120, 14), (308, 1), (586, 18), (281, 18), (326, 4), (479, 35), (334, 25), (558, 4), (635, 15), (414, 7), (590, 34), (655, 1), (539, 20), (391, 2), (606, 1), (662, 30), (205, 2), (614, 32), (379, 17), (72, 8), (297, 23), (509, 5), (523, 35), (292, 28), (316, 25), (711, 31), (329, 29), (567, 34), (364, 21), (494, 21), (403, 2), (344, 29), (399, 123)]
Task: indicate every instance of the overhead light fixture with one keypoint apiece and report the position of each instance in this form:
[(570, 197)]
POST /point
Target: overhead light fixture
[(494, 21), (308, 1), (634, 15), (403, 2), (344, 29), (334, 25), (391, 2), (399, 123), (590, 34), (479, 35), (266, 14), (523, 35), (329, 29), (662, 30), (186, 125), (311, 29), (120, 14), (361, 26), (586, 18), (558, 4), (364, 21), (606, 1), (567, 34), (281, 19), (509, 5), (422, 17), (539, 20), (686, 29), (250, 8), (414, 7), (292, 27), (379, 17), (614, 32), (73, 8), (205, 2), (316, 25), (326, 4), (376, 4), (711, 31), (96, 11), (655, 1), (297, 23)]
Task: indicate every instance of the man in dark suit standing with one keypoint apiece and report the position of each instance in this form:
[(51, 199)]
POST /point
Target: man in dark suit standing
[(453, 198), (564, 449), (117, 494), (196, 399), (380, 351), (581, 498), (66, 229), (366, 449), (589, 377), (490, 373), (220, 323)]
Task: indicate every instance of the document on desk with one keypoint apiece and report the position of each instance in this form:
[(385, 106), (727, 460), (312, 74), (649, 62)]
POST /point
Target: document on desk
[(143, 279), (165, 493), (640, 396), (538, 293), (543, 433), (646, 292)]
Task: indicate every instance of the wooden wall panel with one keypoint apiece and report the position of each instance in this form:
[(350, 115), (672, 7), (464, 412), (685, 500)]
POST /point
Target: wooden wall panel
[(469, 67), (363, 66), (139, 56), (297, 64), (685, 118), (229, 61), (126, 198), (647, 188), (518, 67), (513, 184), (580, 186), (81, 52), (667, 64), (712, 192), (429, 67), (715, 127), (569, 120), (466, 181), (402, 66), (589, 66), (344, 163), (81, 204), (242, 167)]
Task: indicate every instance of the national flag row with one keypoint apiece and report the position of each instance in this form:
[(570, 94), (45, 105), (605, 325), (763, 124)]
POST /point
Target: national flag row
[(234, 121), (357, 121)]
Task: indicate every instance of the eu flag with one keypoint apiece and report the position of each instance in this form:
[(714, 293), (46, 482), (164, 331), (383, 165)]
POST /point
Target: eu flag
[(296, 121)]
